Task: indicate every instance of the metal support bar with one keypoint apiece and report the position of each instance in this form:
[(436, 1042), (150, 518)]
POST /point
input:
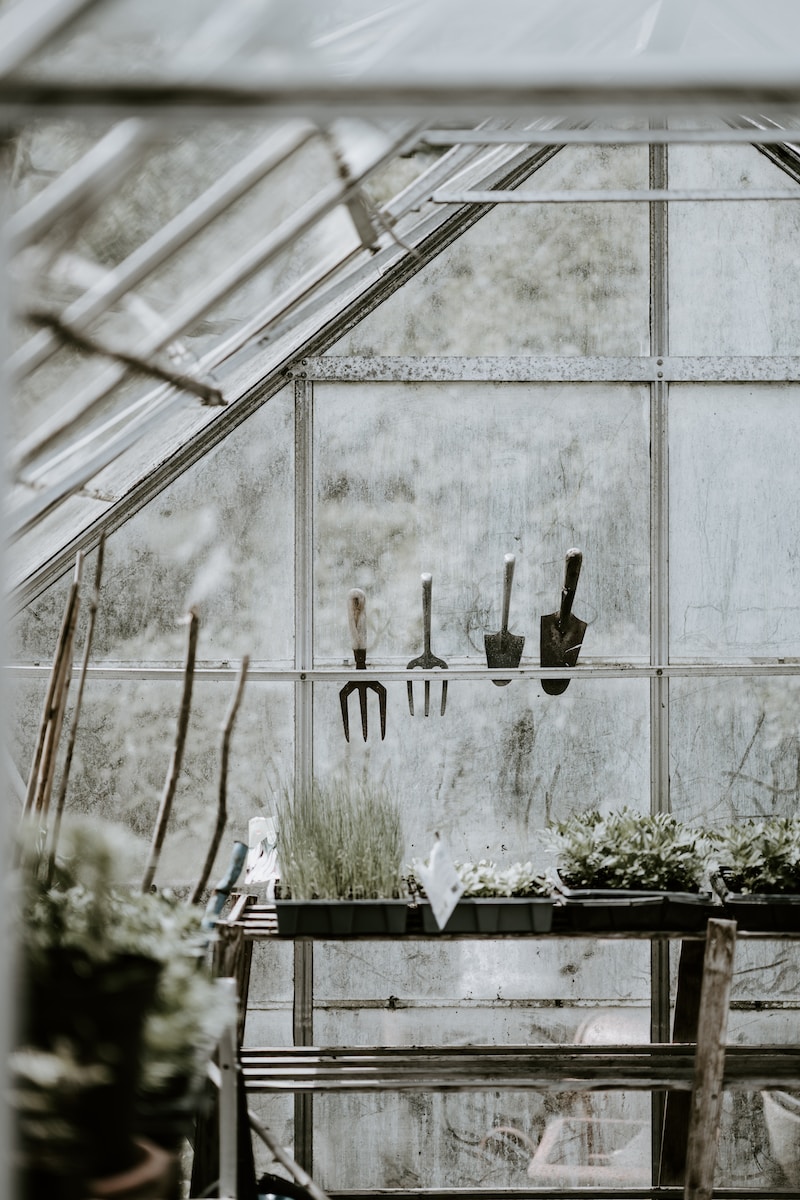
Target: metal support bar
[(303, 1030), (612, 196), (701, 1153), (659, 588), (571, 368), (752, 135), (390, 673)]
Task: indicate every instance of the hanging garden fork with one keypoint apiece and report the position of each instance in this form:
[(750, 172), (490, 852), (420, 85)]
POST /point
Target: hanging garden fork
[(357, 619), (427, 661)]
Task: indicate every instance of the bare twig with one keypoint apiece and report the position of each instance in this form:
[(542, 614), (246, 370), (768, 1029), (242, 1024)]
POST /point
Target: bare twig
[(70, 608), (177, 754), (209, 395), (87, 645), (222, 809)]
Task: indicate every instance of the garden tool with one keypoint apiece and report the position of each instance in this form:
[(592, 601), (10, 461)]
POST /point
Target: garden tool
[(426, 661), (357, 618), (561, 632), (504, 649)]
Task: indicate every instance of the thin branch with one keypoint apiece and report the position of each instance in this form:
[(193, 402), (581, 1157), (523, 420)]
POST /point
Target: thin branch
[(71, 336), (87, 645), (222, 805), (177, 754)]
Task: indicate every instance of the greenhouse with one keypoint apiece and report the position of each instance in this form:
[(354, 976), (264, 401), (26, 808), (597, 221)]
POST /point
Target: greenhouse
[(402, 629)]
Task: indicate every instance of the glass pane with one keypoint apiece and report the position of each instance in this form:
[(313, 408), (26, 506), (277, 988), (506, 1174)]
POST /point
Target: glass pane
[(733, 287), (532, 279), (734, 512), (449, 478), (220, 537), (122, 755)]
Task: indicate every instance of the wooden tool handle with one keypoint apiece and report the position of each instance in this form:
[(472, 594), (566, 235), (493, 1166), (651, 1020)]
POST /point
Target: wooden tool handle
[(572, 570), (357, 618), (427, 588), (508, 576)]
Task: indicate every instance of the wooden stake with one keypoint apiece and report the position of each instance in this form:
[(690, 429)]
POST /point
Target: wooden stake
[(701, 1152), (70, 607), (87, 646), (177, 754), (222, 800)]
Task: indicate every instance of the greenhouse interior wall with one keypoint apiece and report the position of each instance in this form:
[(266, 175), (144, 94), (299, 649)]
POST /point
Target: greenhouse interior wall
[(683, 495)]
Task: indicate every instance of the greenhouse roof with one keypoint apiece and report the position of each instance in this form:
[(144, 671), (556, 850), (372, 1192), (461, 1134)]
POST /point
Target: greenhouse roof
[(203, 195)]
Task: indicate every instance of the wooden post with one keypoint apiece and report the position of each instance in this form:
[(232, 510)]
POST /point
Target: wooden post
[(678, 1105), (706, 1106)]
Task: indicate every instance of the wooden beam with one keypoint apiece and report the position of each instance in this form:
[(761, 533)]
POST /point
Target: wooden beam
[(712, 1027)]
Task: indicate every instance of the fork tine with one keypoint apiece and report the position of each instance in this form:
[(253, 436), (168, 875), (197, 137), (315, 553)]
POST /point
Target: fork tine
[(410, 687), (343, 695), (444, 697), (362, 699), (381, 690), (427, 697)]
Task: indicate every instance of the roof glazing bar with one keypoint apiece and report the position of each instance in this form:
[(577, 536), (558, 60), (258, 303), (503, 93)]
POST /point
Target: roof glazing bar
[(157, 249), (27, 28), (82, 185)]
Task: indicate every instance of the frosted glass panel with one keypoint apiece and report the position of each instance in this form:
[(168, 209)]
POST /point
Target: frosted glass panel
[(734, 513), (734, 279), (448, 478), (491, 772), (220, 537), (735, 748), (532, 279), (124, 743)]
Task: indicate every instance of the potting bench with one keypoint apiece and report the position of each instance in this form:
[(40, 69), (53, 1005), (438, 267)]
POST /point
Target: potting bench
[(693, 1070)]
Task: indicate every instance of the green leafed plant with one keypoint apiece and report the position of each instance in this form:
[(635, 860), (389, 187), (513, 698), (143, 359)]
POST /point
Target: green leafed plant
[(761, 856), (340, 841), (486, 879), (628, 849)]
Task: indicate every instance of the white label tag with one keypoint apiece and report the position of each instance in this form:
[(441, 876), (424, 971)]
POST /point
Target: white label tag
[(441, 882)]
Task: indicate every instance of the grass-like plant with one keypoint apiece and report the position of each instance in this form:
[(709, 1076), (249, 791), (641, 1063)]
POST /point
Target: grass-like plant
[(761, 856), (340, 841), (628, 849)]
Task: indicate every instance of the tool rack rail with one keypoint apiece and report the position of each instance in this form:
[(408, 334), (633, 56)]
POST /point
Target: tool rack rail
[(692, 1071)]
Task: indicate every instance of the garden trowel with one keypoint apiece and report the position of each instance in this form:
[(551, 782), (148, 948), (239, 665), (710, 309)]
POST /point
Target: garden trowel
[(561, 632), (504, 649)]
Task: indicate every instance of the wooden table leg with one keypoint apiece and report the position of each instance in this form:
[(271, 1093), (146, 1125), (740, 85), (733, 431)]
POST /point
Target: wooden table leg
[(706, 1099), (678, 1105)]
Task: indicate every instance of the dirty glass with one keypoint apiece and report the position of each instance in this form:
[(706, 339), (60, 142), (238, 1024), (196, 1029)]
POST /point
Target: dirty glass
[(220, 539), (532, 279), (122, 758), (734, 515), (734, 282)]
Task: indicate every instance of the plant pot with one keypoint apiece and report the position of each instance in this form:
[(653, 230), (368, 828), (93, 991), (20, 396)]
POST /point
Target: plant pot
[(611, 910), (341, 918), (100, 1008), (168, 1116), (501, 914), (767, 912)]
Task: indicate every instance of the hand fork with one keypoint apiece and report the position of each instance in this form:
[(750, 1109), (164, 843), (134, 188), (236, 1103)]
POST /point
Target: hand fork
[(357, 619), (426, 660)]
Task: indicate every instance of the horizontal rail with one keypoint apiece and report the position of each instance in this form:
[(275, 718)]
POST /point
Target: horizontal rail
[(598, 669), (612, 196), (548, 368), (469, 1068)]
